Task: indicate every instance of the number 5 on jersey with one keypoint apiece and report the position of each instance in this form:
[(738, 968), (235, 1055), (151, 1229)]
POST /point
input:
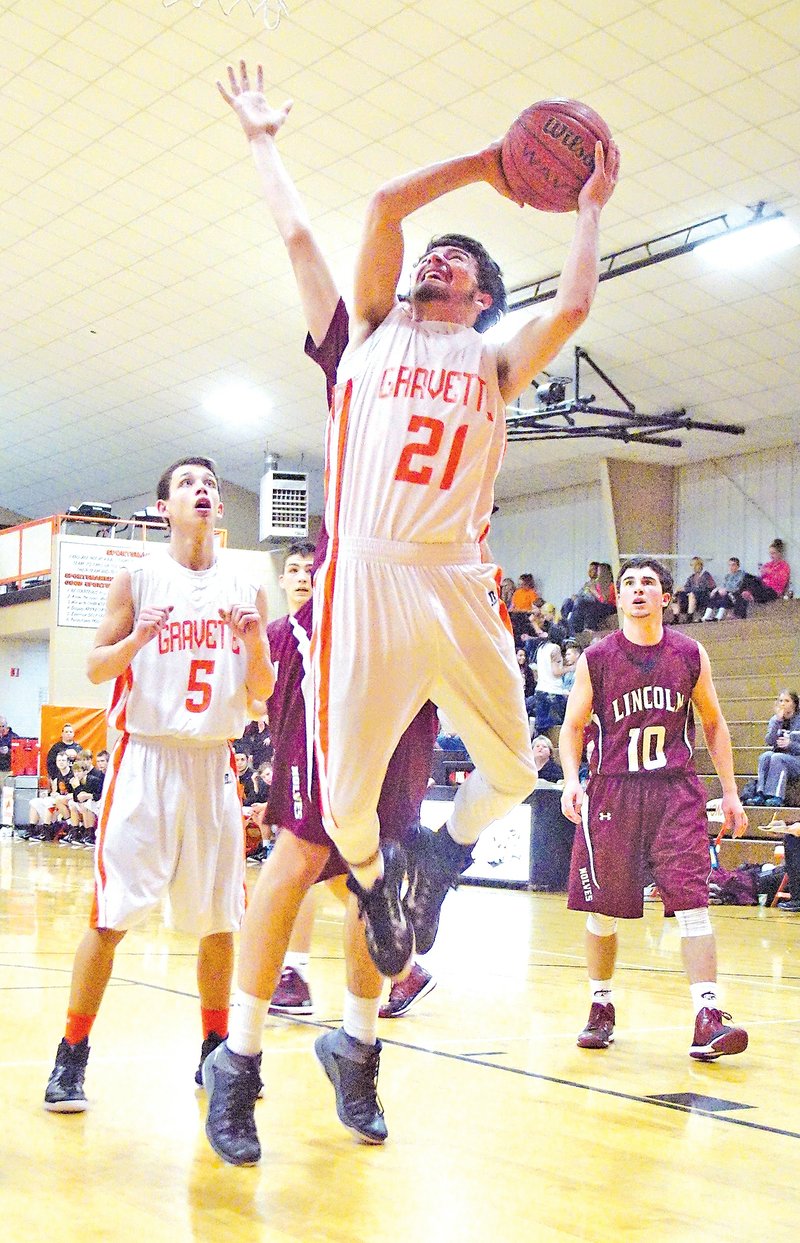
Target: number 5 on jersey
[(408, 473), (198, 698)]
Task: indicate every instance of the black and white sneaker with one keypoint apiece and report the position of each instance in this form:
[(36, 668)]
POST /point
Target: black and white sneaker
[(352, 1068), (435, 862), (211, 1042), (390, 937), (64, 1093), (232, 1082)]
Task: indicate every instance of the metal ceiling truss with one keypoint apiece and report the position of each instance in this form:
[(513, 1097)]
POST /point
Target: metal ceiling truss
[(560, 418)]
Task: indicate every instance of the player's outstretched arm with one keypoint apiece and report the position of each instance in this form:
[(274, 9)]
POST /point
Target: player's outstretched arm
[(249, 623), (261, 122), (540, 339), (570, 740), (718, 741), (120, 635), (380, 257)]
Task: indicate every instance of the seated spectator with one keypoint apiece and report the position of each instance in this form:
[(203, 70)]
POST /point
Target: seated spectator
[(596, 602), (532, 633), (253, 792), (550, 697), (79, 795), (507, 589), (543, 758), (773, 580), (66, 743), (791, 859), (256, 735), (90, 805), (691, 602), (782, 761), (7, 736), (528, 679), (46, 810), (728, 597), (571, 656), (587, 589), (448, 747), (525, 596)]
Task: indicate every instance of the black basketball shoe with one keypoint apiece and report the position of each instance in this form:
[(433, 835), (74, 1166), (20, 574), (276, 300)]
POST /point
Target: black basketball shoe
[(232, 1082), (352, 1068), (211, 1042), (435, 862), (64, 1093), (390, 938)]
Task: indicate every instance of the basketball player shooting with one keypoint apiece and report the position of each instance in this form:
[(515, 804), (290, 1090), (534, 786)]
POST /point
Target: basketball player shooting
[(644, 807), (184, 639), (415, 441)]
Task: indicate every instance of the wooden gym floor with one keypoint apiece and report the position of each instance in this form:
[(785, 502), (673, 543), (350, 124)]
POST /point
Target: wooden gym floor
[(500, 1127)]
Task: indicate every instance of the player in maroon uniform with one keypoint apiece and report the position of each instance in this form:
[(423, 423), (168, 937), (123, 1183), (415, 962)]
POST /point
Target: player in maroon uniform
[(303, 853), (644, 806)]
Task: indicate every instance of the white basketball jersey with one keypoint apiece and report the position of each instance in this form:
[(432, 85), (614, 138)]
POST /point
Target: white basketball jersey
[(188, 682), (416, 435)]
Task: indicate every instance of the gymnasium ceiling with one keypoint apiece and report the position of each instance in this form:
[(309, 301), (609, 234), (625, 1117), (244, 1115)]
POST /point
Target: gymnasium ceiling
[(140, 271)]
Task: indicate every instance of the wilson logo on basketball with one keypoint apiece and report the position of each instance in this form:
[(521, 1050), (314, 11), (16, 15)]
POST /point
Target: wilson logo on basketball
[(556, 128)]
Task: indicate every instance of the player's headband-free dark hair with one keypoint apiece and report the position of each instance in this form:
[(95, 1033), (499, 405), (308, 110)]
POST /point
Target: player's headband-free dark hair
[(162, 488), (638, 563), (490, 278), (298, 550)]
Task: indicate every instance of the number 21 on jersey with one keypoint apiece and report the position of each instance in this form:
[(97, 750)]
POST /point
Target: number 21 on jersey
[(408, 472)]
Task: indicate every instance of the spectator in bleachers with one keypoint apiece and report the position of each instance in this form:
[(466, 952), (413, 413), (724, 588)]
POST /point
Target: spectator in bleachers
[(254, 793), (46, 810), (525, 596), (596, 602), (728, 597), (507, 589), (782, 762), (546, 766), (257, 736), (68, 743), (587, 589), (7, 736), (550, 697), (691, 601), (571, 655), (773, 580), (528, 679), (534, 632)]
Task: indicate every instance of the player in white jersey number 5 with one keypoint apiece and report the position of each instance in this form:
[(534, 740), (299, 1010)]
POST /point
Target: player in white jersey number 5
[(415, 440), (184, 638)]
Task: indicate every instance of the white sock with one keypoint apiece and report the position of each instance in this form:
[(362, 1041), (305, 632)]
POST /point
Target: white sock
[(602, 992), (708, 615), (705, 994), (360, 1019), (368, 874), (721, 613), (299, 961), (247, 1018)]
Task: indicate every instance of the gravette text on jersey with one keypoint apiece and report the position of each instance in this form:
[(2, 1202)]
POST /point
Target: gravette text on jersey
[(457, 388), (664, 698), (197, 635)]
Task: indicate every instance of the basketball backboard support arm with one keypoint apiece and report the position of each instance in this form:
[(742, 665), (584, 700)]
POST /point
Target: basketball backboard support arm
[(577, 418)]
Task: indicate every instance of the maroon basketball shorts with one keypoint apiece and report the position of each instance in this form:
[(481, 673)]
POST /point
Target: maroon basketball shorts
[(402, 792), (635, 828)]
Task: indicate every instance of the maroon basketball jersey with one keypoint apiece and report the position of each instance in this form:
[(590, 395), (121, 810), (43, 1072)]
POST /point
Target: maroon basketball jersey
[(293, 799), (642, 718)]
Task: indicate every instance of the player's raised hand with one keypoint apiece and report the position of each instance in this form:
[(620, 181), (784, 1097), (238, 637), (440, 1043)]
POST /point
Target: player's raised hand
[(250, 104), (600, 186), (572, 799), (245, 622), (150, 622), (735, 815)]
